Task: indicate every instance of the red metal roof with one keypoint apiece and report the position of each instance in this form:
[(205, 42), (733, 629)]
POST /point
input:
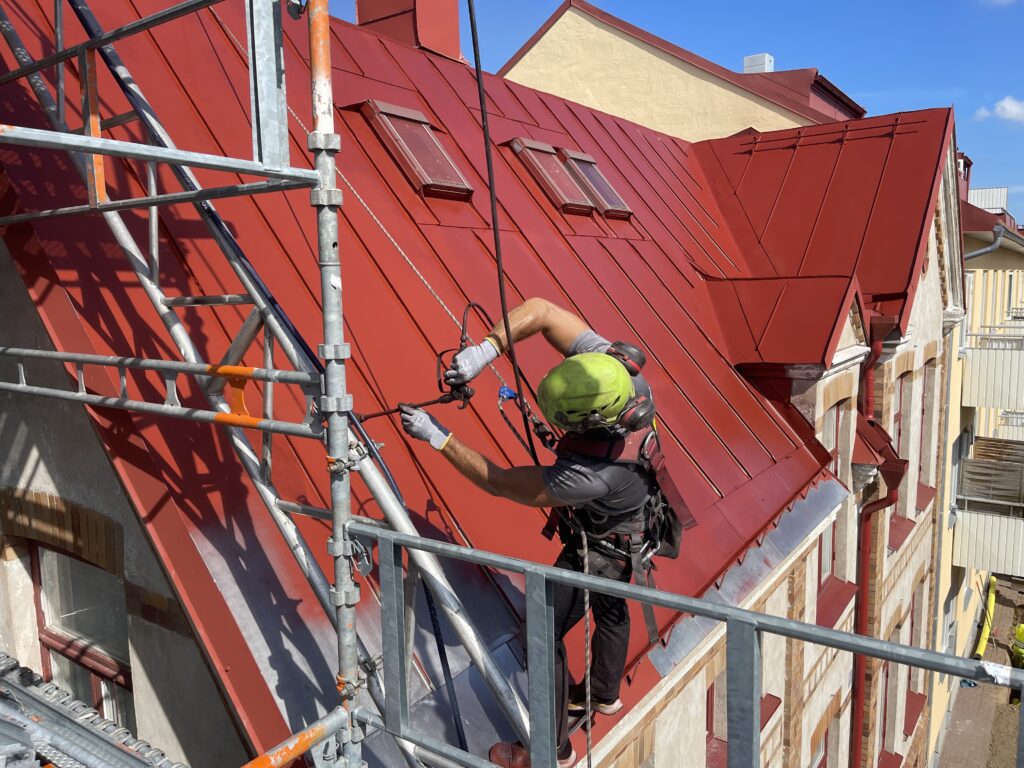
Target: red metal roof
[(824, 215), (802, 91), (735, 456)]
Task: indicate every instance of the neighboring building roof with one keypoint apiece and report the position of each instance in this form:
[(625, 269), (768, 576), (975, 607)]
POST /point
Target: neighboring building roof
[(979, 224), (802, 91), (821, 213), (738, 460)]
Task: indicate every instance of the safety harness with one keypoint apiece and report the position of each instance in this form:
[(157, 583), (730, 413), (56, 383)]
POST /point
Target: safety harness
[(653, 528)]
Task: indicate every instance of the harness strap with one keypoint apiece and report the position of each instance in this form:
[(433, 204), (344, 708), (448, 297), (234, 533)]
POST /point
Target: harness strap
[(643, 577)]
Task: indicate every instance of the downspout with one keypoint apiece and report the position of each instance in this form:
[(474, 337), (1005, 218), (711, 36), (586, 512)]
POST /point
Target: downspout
[(868, 379), (997, 231), (861, 624), (892, 474)]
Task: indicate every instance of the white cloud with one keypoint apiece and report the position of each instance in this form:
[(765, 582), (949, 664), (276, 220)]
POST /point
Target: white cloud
[(1009, 108), (983, 113), (999, 3)]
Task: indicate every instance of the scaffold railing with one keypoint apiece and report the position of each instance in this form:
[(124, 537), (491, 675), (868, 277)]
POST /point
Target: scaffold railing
[(744, 630)]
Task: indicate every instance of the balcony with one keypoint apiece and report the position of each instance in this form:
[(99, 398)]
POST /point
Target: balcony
[(989, 534), (994, 369)]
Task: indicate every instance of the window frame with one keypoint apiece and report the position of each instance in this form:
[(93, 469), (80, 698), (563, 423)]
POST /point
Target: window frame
[(885, 707), (101, 667), (819, 758), (823, 577), (836, 431), (525, 150), (897, 418), (381, 115), (570, 159)]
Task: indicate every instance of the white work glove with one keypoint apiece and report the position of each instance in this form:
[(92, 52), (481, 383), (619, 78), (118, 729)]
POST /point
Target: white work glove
[(419, 424), (468, 363)]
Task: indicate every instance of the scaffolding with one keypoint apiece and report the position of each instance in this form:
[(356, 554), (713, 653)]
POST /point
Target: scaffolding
[(335, 739)]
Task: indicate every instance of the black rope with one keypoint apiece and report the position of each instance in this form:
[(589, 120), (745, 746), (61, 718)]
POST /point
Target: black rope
[(494, 227), (442, 654)]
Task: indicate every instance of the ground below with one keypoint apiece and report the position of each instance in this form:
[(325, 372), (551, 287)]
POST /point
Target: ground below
[(984, 724)]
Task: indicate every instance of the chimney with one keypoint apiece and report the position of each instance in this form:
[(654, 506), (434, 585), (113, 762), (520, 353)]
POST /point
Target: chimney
[(758, 62), (429, 24)]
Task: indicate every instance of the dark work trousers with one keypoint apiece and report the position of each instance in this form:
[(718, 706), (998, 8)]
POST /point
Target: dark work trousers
[(610, 631)]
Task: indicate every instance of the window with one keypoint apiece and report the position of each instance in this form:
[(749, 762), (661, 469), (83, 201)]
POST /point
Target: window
[(411, 141), (888, 698), (820, 757), (826, 553), (716, 714), (831, 420), (928, 455), (586, 173), (900, 429), (548, 171), (83, 633)]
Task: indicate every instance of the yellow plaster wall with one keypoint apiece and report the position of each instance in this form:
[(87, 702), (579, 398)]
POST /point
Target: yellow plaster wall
[(585, 60), (958, 420)]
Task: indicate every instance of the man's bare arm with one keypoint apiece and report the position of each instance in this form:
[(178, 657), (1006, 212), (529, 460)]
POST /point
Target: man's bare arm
[(524, 485), (559, 326)]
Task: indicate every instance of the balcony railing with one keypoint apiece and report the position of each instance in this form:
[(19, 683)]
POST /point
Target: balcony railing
[(994, 370), (990, 508)]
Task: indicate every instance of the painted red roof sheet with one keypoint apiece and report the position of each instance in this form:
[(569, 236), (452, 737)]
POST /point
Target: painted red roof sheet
[(737, 459), (820, 214), (975, 219), (802, 91)]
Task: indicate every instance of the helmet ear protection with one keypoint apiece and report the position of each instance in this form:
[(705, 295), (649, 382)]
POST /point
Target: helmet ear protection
[(638, 413), (631, 356)]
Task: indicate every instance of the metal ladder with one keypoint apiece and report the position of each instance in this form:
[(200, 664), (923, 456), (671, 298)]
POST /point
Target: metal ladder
[(322, 384)]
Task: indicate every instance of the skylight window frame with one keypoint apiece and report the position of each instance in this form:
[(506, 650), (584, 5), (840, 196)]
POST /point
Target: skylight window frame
[(526, 150), (381, 117), (607, 208)]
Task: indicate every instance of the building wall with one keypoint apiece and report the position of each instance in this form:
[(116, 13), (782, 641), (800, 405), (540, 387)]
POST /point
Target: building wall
[(55, 477), (585, 60)]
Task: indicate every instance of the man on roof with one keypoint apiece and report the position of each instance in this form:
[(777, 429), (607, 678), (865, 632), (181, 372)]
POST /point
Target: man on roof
[(604, 484)]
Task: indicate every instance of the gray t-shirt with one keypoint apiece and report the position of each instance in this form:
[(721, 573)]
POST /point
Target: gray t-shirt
[(610, 492)]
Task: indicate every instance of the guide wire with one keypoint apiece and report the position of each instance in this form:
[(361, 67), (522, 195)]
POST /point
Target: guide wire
[(503, 298)]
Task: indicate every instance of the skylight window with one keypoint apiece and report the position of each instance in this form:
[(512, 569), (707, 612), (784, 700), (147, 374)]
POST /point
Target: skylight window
[(545, 167), (410, 139), (589, 177)]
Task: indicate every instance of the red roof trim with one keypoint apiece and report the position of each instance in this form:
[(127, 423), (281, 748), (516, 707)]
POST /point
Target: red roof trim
[(836, 93), (766, 88), (922, 248)]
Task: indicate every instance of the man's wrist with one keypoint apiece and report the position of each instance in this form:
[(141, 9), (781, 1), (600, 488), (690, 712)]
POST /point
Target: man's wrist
[(440, 440), (494, 342)]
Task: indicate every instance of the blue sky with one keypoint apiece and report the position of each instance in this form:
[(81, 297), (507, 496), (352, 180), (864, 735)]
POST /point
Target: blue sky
[(889, 56)]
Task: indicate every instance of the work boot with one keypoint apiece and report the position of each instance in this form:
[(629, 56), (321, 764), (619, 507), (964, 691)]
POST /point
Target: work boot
[(578, 702), (514, 755)]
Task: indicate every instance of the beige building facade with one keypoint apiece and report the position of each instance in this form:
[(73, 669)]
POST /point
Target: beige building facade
[(596, 59)]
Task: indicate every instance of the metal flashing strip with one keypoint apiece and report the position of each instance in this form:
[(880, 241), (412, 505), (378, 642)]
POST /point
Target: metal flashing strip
[(66, 731), (741, 580)]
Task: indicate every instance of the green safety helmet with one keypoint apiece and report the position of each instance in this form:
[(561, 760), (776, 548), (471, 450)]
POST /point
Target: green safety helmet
[(585, 391)]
